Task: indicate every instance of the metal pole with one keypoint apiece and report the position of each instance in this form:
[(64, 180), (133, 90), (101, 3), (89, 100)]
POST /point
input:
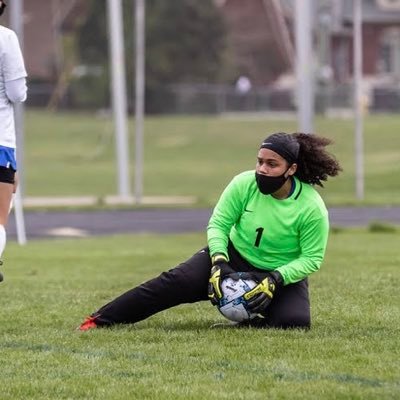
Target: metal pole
[(19, 218), (17, 24), (358, 98), (118, 85), (139, 96), (304, 66)]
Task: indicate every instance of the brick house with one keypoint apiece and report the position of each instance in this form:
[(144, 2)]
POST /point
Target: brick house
[(261, 35), (266, 27), (381, 38), (44, 23), (261, 30), (381, 49)]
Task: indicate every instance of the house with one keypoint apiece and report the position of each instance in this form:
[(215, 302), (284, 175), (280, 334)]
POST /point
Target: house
[(261, 34), (260, 37), (381, 49), (381, 39), (44, 23), (258, 32), (333, 52)]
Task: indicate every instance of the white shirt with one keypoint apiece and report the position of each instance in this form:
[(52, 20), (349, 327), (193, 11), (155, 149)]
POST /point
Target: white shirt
[(12, 68)]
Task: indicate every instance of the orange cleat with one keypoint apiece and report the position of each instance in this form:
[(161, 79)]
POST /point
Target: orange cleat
[(87, 324)]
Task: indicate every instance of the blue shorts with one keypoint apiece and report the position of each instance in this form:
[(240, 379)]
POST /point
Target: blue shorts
[(8, 158)]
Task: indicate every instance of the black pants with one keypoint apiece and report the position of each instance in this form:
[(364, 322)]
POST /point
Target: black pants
[(187, 283)]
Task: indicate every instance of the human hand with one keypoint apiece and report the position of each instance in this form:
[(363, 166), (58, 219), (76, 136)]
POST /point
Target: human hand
[(259, 298), (220, 269)]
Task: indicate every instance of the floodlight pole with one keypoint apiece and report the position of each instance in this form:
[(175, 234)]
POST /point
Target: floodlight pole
[(358, 98), (119, 101), (17, 24), (139, 96), (304, 65)]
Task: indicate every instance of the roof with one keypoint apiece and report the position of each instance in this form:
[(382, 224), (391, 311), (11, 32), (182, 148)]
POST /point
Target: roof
[(373, 11)]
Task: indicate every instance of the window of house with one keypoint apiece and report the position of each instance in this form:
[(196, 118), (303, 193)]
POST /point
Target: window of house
[(389, 52)]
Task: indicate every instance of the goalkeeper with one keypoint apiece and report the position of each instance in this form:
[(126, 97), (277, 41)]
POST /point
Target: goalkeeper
[(270, 224)]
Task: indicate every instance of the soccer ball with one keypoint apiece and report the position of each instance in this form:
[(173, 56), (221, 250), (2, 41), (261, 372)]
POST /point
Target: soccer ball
[(233, 305)]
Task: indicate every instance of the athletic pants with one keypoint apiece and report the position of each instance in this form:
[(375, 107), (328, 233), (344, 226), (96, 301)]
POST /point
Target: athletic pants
[(188, 283)]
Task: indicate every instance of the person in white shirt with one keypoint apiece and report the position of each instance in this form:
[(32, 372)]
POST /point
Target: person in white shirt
[(12, 90)]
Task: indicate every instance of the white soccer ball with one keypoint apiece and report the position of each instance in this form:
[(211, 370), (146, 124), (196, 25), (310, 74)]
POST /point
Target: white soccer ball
[(233, 305)]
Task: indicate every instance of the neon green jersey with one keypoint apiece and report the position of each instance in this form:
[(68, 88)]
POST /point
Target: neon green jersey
[(288, 235)]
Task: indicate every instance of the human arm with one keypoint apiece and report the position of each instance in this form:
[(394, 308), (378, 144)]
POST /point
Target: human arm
[(227, 212), (312, 240), (16, 90), (219, 270), (13, 68), (313, 237), (259, 298)]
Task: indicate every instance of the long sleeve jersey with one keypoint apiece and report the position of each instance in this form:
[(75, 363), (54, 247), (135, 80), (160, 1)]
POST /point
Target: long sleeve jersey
[(12, 68), (288, 235)]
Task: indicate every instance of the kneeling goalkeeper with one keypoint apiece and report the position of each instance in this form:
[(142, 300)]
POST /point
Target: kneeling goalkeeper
[(270, 223)]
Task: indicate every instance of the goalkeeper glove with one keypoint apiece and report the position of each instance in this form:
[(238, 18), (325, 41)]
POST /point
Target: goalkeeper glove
[(220, 269), (259, 298)]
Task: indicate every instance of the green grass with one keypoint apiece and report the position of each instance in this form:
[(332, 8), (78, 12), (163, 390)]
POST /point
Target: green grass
[(352, 351), (74, 154)]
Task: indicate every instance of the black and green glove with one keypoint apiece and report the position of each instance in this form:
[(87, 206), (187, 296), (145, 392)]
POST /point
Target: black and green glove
[(219, 270), (259, 298)]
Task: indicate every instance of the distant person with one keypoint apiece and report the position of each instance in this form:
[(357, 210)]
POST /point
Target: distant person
[(243, 85), (244, 100), (269, 223), (12, 90)]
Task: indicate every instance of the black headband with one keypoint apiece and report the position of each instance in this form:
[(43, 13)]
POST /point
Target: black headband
[(283, 144)]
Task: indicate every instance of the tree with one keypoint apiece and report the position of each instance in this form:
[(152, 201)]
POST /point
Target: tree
[(185, 42)]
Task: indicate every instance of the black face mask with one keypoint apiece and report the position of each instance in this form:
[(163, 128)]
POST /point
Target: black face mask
[(2, 7), (270, 184)]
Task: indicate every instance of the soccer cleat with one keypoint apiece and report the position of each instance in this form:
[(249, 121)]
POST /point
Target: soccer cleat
[(87, 324), (1, 277)]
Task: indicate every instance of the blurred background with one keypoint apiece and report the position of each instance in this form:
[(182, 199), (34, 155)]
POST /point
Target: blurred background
[(209, 56), (220, 75)]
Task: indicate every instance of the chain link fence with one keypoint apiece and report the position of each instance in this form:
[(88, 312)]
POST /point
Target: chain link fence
[(219, 99)]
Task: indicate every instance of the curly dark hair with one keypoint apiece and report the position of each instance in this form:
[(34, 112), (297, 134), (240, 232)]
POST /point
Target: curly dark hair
[(314, 163)]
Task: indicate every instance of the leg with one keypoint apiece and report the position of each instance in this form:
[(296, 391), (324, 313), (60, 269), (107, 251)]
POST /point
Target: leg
[(290, 308), (187, 283), (6, 192)]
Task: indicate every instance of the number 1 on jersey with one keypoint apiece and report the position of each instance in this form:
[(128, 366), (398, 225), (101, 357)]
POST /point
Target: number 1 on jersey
[(258, 238)]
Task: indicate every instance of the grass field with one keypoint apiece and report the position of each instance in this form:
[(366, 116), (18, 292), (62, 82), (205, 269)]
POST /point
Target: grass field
[(352, 351), (74, 154)]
